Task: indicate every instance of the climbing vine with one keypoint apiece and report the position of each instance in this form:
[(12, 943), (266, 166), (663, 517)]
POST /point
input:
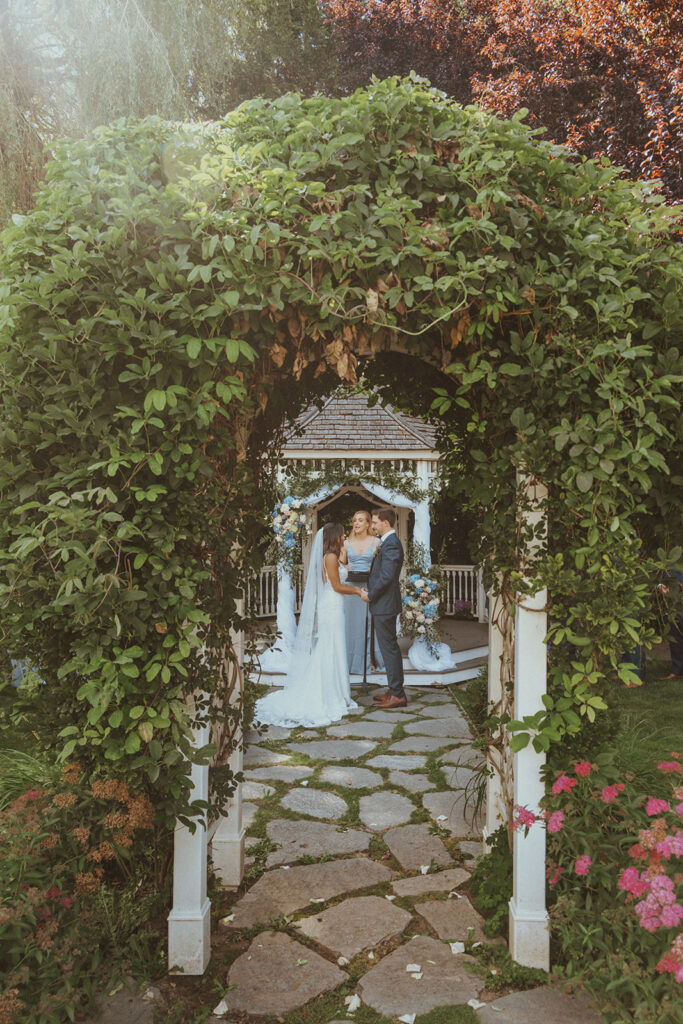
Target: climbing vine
[(177, 293)]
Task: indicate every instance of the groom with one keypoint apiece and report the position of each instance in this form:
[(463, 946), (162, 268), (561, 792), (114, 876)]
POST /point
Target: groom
[(384, 595)]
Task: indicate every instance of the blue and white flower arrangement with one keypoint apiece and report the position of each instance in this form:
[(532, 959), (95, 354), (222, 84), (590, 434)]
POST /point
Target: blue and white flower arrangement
[(420, 608), (290, 523)]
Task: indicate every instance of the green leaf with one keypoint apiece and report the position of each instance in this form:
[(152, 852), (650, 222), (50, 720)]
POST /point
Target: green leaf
[(584, 481), (194, 347)]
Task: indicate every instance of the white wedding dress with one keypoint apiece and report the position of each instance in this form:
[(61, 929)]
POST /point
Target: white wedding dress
[(317, 688)]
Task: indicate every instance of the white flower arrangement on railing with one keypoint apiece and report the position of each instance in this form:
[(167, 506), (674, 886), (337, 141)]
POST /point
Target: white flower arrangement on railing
[(290, 523), (421, 608)]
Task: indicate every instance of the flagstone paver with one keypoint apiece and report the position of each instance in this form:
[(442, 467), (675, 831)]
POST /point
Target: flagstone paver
[(282, 891), (463, 755), (436, 697), (366, 730), (392, 991), (449, 728), (453, 919), (441, 881), (334, 750), (450, 810), (352, 778), (416, 745), (404, 762), (382, 810), (475, 849), (277, 974), (394, 717), (545, 1005), (255, 755), (359, 923), (446, 711), (270, 732), (255, 790), (414, 846), (316, 802), (279, 773), (298, 839), (413, 783)]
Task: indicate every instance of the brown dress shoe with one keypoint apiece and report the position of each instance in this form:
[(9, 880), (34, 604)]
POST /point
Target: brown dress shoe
[(393, 702), (379, 697)]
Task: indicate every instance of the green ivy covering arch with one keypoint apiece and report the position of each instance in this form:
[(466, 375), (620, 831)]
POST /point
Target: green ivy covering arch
[(178, 290)]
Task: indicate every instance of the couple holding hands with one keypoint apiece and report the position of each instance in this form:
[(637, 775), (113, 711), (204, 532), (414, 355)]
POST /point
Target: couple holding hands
[(317, 688)]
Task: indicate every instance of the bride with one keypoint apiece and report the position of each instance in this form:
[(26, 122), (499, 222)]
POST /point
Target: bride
[(317, 689)]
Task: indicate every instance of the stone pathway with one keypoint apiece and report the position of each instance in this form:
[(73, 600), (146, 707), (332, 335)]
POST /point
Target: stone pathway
[(359, 854)]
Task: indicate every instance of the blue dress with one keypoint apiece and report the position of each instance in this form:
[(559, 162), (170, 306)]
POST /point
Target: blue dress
[(355, 612)]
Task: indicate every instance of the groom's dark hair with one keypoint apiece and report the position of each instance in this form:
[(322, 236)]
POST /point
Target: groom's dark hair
[(332, 538), (387, 515)]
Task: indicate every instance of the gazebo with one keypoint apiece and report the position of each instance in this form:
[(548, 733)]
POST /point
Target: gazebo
[(350, 446)]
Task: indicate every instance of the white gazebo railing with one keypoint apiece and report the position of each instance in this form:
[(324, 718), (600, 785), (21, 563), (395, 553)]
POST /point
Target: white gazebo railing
[(463, 583), (262, 592)]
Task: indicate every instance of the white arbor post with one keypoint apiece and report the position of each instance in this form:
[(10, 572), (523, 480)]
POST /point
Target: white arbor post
[(529, 935), (227, 845), (498, 672), (189, 923)]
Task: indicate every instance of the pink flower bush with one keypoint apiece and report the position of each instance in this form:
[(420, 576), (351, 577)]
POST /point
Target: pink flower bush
[(563, 785), (634, 879), (582, 865)]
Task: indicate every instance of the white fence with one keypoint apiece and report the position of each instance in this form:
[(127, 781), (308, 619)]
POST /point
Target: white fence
[(463, 585)]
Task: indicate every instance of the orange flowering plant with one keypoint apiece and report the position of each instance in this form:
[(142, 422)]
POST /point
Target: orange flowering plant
[(59, 848)]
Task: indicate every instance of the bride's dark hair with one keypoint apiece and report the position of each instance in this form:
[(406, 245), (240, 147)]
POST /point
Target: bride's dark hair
[(332, 538)]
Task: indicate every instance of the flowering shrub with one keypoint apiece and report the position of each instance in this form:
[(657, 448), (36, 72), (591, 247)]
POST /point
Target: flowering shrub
[(58, 849), (420, 608), (614, 868), (462, 609), (289, 523)]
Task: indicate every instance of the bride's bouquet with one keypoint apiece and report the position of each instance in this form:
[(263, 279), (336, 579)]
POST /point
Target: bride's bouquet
[(289, 522), (421, 608)]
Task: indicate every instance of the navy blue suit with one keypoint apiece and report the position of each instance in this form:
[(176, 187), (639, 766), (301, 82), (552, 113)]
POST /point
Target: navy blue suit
[(384, 591)]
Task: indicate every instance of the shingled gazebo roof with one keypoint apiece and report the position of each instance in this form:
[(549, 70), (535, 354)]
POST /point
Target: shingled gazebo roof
[(349, 423)]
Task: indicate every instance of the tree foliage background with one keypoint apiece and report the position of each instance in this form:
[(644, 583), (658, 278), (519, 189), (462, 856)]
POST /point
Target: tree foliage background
[(605, 77)]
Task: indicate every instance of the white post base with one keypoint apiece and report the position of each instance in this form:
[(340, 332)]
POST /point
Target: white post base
[(189, 940), (227, 854), (529, 937)]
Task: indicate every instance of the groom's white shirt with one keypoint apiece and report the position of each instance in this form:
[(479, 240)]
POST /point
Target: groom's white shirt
[(384, 537)]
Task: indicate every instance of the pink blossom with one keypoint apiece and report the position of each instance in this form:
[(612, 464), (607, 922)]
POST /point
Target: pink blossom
[(670, 766), (583, 768), (631, 881), (582, 865), (671, 915), (655, 806), (670, 846), (650, 924), (679, 809), (525, 818), (563, 784), (555, 821), (610, 793), (555, 877)]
